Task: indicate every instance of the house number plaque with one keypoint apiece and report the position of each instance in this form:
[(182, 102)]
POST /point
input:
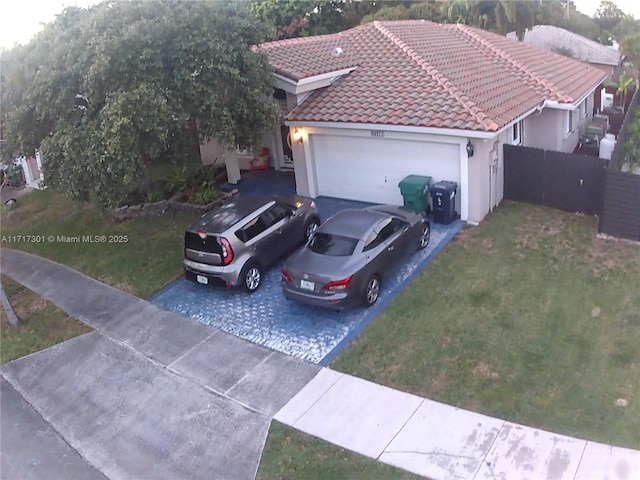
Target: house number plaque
[(377, 133)]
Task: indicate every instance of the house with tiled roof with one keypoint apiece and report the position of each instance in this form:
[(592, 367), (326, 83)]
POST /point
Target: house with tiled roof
[(555, 39), (366, 107)]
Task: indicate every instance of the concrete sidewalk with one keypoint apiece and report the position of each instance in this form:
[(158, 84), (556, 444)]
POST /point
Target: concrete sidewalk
[(443, 442), (152, 394)]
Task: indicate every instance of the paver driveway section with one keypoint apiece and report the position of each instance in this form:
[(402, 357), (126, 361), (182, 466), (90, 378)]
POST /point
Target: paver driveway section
[(267, 318), (149, 394)]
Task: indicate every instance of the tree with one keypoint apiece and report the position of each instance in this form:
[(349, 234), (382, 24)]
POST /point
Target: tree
[(624, 84), (626, 26), (631, 48), (515, 15), (605, 38), (105, 91), (563, 14), (300, 18), (608, 15), (631, 147), (459, 11)]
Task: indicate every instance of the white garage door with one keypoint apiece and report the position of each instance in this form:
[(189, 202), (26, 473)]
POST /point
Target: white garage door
[(369, 169)]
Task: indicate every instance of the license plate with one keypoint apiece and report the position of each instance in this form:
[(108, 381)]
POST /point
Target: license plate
[(307, 285), (202, 279)]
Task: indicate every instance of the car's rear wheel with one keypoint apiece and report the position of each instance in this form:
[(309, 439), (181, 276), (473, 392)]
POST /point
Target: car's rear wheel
[(371, 291), (251, 277), (425, 236), (310, 228)]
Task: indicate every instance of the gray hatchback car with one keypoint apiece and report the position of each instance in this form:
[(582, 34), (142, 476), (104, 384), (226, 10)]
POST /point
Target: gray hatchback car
[(237, 242)]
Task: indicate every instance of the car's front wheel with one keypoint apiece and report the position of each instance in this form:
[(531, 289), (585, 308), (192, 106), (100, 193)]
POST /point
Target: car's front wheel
[(251, 277), (425, 236), (371, 291), (310, 228)]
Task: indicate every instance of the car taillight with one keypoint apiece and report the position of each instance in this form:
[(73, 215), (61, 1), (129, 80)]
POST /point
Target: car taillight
[(285, 276), (201, 233), (338, 284), (227, 251)]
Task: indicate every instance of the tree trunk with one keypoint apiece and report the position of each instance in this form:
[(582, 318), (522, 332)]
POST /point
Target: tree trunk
[(14, 321)]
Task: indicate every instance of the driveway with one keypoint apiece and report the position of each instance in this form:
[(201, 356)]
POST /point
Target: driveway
[(267, 318)]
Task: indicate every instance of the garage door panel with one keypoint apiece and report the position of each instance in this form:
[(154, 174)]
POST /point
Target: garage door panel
[(369, 169)]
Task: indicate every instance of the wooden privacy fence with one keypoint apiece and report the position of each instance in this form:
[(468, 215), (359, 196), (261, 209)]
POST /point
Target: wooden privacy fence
[(620, 215), (565, 181)]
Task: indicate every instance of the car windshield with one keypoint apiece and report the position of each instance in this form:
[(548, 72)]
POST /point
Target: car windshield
[(333, 245)]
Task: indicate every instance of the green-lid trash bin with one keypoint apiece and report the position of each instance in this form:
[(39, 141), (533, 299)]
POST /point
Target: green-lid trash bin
[(415, 192)]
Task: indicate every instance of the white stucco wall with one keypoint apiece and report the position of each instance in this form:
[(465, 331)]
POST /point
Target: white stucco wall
[(486, 176), (235, 161), (211, 152), (547, 129), (473, 200)]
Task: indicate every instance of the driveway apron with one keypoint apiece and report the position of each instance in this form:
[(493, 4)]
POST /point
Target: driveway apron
[(149, 393), (266, 318)]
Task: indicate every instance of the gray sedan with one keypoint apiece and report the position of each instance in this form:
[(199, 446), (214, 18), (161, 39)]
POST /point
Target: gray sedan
[(350, 253)]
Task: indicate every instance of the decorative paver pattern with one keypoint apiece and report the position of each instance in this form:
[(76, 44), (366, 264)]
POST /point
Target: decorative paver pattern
[(268, 319)]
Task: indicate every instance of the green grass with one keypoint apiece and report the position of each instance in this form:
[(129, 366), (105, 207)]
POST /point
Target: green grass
[(293, 455), (42, 324), (528, 317), (139, 256)]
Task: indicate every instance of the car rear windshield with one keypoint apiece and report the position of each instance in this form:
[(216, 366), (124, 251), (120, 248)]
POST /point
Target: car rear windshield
[(333, 245), (208, 244)]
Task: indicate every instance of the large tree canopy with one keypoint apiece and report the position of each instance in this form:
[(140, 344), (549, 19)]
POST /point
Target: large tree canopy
[(105, 91)]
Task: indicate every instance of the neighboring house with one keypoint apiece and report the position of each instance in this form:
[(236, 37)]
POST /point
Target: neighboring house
[(373, 104), (31, 169), (555, 39)]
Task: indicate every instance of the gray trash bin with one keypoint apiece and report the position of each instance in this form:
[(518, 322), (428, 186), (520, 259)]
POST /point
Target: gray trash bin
[(443, 199)]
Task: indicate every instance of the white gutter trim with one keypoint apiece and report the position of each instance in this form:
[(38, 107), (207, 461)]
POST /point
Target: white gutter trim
[(315, 78), (536, 109), (394, 128), (285, 79), (326, 76), (559, 106), (571, 106)]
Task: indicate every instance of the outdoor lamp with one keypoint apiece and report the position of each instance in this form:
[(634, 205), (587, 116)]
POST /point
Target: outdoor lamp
[(469, 148), (297, 135)]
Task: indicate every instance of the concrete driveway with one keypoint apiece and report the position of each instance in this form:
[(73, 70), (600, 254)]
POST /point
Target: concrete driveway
[(267, 318)]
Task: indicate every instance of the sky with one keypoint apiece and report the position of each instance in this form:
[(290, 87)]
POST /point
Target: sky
[(20, 20)]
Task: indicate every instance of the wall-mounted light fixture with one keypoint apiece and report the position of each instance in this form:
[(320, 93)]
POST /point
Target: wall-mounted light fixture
[(298, 135), (469, 148)]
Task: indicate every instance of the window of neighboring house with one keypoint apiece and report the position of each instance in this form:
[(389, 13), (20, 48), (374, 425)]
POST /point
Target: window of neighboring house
[(517, 131), (583, 106), (568, 122)]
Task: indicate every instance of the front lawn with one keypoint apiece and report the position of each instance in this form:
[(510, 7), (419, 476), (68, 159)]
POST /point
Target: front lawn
[(528, 317), (42, 324), (139, 256), (292, 455)]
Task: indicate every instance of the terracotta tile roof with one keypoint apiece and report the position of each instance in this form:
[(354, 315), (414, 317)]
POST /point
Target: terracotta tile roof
[(550, 38), (420, 73)]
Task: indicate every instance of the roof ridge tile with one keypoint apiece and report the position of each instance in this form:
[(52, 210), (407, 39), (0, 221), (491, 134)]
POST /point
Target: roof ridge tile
[(441, 79), (548, 86)]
